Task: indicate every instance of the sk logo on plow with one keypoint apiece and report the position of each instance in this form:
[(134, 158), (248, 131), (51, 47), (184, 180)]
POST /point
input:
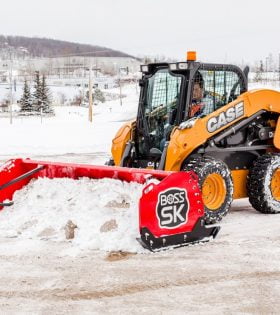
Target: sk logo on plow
[(172, 208)]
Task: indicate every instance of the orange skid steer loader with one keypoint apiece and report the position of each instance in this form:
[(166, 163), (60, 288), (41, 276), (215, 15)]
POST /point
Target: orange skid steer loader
[(203, 137), (201, 117)]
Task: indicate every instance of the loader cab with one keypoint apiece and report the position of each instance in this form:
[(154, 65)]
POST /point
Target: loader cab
[(159, 102), (166, 100)]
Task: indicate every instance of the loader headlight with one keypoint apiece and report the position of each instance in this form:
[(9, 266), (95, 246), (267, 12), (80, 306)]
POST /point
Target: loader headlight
[(144, 68), (173, 66), (183, 65)]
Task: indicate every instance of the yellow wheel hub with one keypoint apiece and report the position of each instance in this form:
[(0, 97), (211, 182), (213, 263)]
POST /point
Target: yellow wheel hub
[(275, 185), (213, 191)]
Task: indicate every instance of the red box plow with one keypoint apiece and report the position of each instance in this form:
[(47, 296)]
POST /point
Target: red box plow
[(171, 210)]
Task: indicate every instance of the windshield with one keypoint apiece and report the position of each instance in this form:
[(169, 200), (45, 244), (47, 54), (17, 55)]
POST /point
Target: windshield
[(160, 107)]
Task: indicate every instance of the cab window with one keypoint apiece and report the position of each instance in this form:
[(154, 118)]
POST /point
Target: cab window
[(219, 88)]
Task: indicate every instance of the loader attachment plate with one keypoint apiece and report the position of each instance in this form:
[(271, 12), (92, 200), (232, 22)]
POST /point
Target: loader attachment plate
[(171, 213)]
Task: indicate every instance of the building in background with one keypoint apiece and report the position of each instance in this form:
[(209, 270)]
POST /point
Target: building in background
[(69, 67)]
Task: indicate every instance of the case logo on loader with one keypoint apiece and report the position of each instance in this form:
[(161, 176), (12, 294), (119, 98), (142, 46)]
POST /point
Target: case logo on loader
[(226, 117), (172, 208)]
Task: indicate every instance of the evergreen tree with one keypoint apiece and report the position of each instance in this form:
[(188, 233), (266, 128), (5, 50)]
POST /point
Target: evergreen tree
[(261, 67), (25, 101), (45, 97), (37, 95), (99, 96), (259, 73)]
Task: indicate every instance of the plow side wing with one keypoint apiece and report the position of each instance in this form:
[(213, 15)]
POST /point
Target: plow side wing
[(171, 213)]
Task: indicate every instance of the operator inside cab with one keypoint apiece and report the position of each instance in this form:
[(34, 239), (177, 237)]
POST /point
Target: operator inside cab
[(202, 103), (197, 104)]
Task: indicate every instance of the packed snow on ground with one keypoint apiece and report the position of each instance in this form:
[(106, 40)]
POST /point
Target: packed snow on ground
[(105, 212)]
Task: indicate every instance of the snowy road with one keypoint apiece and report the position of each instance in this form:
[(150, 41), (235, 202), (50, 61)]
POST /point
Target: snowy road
[(237, 273)]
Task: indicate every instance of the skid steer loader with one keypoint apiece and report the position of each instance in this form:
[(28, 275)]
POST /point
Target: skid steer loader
[(230, 137), (171, 210), (200, 139)]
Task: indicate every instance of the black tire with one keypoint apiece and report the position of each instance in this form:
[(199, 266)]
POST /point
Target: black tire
[(204, 166), (259, 189), (110, 162), (127, 162)]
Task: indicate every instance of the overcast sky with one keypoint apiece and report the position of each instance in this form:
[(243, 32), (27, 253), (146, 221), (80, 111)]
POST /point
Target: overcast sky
[(219, 30)]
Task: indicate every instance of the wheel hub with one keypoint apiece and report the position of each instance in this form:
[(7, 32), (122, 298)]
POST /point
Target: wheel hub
[(275, 185), (214, 191)]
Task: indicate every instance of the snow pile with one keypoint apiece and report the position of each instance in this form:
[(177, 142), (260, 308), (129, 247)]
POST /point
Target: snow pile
[(105, 212)]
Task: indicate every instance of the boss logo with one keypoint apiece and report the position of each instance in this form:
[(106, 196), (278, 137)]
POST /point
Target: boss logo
[(172, 208), (226, 117)]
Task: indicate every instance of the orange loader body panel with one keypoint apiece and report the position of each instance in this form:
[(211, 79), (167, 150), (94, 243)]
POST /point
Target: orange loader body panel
[(119, 142), (184, 142)]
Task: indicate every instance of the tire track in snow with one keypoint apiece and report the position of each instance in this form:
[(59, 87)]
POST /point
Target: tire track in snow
[(80, 294)]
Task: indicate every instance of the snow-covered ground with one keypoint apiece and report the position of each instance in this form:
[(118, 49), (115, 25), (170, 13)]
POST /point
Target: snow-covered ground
[(42, 272), (238, 273), (69, 132)]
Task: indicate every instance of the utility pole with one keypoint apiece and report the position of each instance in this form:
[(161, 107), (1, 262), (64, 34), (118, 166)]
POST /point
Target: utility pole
[(279, 68), (266, 69), (90, 86), (136, 85), (90, 96), (120, 86), (11, 88)]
